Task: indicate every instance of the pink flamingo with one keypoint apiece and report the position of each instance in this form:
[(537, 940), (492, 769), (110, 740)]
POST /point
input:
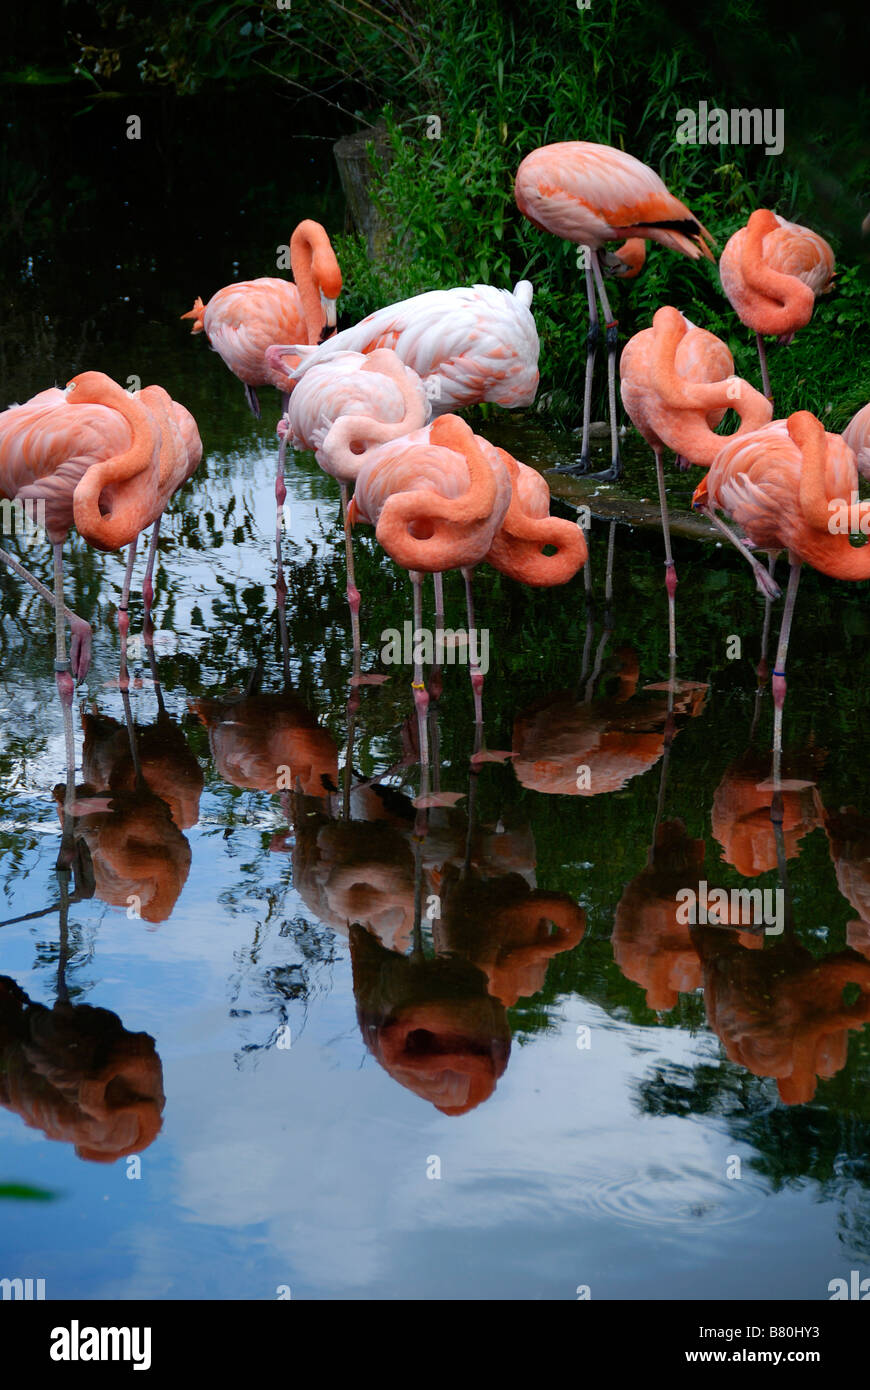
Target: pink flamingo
[(777, 483), (591, 194), (468, 345), (436, 503), (105, 461), (677, 382), (772, 272), (340, 411), (499, 512), (242, 320)]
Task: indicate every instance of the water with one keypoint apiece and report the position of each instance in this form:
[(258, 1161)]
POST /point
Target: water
[(528, 1108)]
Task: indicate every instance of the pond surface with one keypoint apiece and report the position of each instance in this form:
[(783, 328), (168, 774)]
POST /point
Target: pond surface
[(547, 1082)]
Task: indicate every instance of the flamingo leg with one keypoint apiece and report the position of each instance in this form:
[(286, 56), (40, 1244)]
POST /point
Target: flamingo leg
[(280, 582), (63, 677), (123, 614), (763, 578), (670, 569), (148, 584), (778, 678), (608, 573), (81, 636), (436, 684), (765, 375), (421, 695), (131, 736), (280, 494), (253, 401), (593, 337), (761, 669), (476, 673), (352, 591), (611, 338)]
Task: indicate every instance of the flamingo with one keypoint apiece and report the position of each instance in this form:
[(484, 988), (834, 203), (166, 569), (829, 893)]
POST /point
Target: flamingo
[(740, 817), (781, 1012), (340, 410), (772, 272), (468, 345), (252, 739), (591, 194), (614, 739), (677, 382), (242, 320), (776, 483), (436, 503), (105, 461), (75, 1072), (509, 930)]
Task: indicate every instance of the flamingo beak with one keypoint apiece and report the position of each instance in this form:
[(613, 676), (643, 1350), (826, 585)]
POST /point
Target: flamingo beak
[(331, 316)]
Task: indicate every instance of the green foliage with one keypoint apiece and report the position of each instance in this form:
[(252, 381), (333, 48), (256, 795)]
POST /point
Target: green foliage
[(605, 75)]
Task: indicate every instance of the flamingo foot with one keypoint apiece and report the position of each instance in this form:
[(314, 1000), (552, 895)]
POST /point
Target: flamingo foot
[(574, 470), (682, 463), (767, 585), (253, 401), (81, 642), (613, 473)]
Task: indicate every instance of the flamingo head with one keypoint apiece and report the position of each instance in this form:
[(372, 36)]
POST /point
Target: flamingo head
[(93, 388), (628, 261)]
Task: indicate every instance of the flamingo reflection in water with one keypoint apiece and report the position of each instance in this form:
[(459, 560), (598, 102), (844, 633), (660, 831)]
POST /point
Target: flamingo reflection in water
[(570, 744), (76, 1073), (141, 790), (781, 1012), (652, 945)]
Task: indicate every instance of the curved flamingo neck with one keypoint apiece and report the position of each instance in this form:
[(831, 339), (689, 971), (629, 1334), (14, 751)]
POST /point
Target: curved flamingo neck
[(692, 400), (809, 435), (316, 272), (120, 524), (789, 301), (456, 525), (518, 546), (350, 438), (831, 553)]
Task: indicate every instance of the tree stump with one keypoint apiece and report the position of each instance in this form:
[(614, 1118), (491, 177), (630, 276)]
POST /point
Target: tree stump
[(357, 173)]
